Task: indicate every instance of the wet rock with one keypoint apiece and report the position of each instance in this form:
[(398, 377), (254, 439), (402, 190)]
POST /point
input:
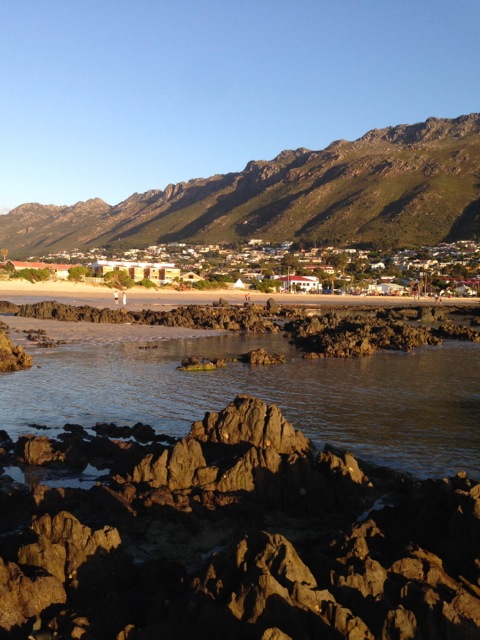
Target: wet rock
[(333, 337), (262, 357), (196, 363)]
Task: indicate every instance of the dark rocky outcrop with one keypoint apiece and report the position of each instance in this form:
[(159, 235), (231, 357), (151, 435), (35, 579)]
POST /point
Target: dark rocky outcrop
[(344, 332), (217, 317), (197, 363), (344, 336), (238, 530), (260, 356), (8, 307)]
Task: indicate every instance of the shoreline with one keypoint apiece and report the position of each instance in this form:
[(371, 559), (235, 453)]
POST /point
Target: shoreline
[(140, 299), (68, 333), (99, 295)]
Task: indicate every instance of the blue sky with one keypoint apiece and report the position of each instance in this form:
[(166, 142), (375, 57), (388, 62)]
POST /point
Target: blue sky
[(104, 98)]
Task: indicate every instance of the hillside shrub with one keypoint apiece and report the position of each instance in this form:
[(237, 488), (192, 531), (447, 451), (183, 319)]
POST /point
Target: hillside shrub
[(32, 275), (76, 274), (266, 286), (148, 284), (207, 284)]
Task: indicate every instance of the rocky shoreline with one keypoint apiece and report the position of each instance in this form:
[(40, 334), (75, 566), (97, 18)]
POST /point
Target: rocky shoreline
[(318, 332), (241, 530)]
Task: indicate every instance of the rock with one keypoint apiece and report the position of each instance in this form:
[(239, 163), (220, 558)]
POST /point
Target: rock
[(40, 450), (23, 597), (238, 531), (250, 420), (8, 307), (260, 356), (266, 584), (12, 358), (220, 317), (195, 363), (347, 337), (272, 306)]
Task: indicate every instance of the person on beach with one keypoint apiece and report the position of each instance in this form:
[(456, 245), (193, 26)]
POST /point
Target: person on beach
[(115, 297), (124, 299)]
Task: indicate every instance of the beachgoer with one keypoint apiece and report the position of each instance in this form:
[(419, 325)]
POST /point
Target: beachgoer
[(124, 299), (115, 297)]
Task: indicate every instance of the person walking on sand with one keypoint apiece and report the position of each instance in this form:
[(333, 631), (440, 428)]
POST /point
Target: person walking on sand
[(124, 299), (115, 297)]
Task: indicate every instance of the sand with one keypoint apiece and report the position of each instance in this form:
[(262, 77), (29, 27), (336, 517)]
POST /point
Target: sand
[(98, 295), (92, 333), (23, 292)]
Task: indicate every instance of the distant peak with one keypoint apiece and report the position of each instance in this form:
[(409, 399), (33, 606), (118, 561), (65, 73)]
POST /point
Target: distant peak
[(430, 130)]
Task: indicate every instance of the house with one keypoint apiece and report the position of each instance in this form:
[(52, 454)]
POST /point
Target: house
[(305, 284), (390, 289), (59, 271), (464, 291), (190, 276), (168, 273), (160, 273)]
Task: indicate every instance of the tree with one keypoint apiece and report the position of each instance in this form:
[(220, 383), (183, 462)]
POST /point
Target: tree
[(77, 273), (289, 261), (119, 279), (4, 253), (339, 261)]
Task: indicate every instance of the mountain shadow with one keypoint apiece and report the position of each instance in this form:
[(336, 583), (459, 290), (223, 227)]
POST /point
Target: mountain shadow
[(467, 225)]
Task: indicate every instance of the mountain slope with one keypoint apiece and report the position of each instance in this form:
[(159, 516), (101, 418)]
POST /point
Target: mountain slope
[(405, 185)]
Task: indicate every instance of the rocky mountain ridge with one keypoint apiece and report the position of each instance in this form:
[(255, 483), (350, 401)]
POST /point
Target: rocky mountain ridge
[(400, 186)]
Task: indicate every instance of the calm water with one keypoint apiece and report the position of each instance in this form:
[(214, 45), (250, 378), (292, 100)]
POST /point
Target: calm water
[(418, 412)]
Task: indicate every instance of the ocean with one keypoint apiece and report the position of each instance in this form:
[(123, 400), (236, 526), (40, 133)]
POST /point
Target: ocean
[(416, 412)]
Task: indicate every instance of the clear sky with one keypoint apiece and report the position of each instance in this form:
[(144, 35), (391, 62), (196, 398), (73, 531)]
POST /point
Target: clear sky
[(104, 98)]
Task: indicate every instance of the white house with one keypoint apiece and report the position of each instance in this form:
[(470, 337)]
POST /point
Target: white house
[(308, 284), (390, 289)]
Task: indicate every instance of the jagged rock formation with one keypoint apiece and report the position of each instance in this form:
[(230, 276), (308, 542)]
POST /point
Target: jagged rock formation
[(404, 185), (239, 530)]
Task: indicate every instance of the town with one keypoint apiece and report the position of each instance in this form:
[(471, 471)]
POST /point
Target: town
[(447, 269)]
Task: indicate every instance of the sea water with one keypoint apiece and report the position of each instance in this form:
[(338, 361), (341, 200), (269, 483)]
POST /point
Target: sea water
[(417, 412)]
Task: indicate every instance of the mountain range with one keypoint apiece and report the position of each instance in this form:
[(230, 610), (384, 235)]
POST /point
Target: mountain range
[(406, 185)]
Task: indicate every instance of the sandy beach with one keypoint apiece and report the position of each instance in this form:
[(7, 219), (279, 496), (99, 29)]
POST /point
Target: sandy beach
[(23, 292), (98, 295), (138, 298)]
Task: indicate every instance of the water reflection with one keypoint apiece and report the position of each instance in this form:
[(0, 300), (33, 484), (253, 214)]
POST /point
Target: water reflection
[(416, 411)]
